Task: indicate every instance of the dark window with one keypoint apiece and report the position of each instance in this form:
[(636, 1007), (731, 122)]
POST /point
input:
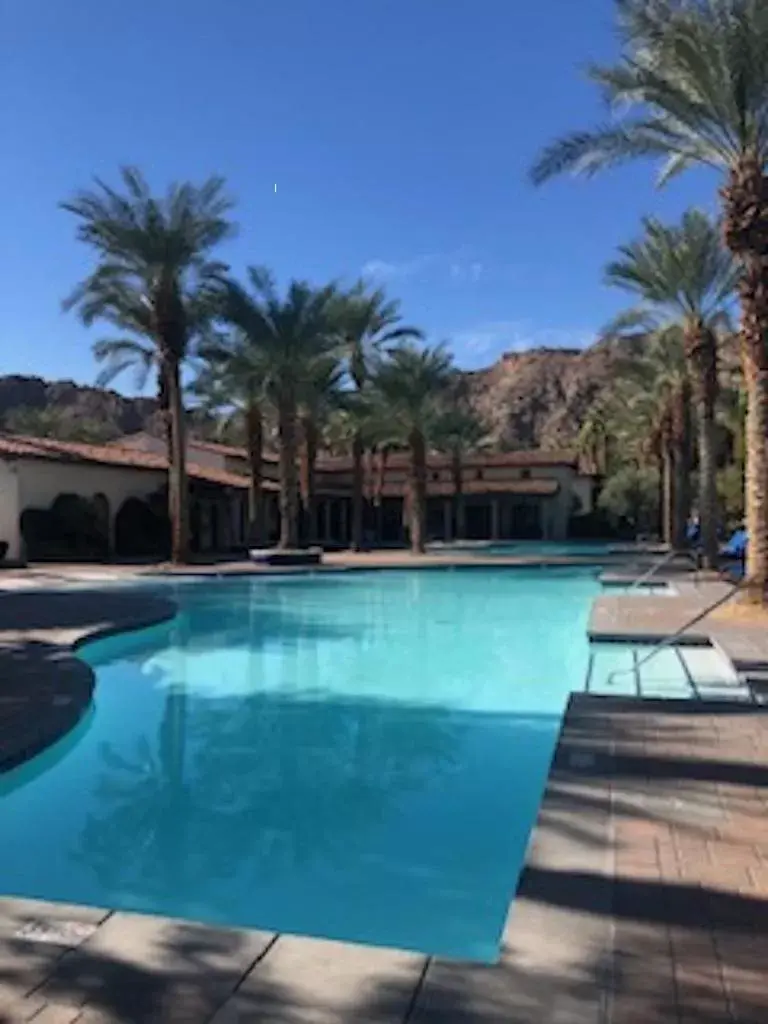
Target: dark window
[(435, 476), (479, 475), (525, 474)]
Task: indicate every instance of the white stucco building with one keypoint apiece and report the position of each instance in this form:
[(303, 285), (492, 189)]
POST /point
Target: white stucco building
[(508, 495), (34, 472)]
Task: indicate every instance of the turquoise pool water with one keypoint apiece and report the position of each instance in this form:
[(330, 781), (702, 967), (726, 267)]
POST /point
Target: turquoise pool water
[(357, 756)]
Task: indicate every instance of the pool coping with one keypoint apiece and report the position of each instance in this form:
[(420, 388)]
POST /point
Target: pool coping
[(46, 688)]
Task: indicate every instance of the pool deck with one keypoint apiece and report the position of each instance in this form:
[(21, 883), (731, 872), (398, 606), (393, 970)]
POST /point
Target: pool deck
[(638, 618), (644, 897)]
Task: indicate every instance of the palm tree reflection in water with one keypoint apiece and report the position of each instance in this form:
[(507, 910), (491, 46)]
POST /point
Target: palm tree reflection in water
[(237, 791)]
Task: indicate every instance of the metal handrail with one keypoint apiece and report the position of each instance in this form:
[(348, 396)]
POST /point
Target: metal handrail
[(668, 640), (649, 573)]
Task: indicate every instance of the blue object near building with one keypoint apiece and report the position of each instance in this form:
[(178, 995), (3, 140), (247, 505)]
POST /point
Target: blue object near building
[(736, 546)]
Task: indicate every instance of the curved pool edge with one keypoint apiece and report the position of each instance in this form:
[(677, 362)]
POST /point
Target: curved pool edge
[(46, 688)]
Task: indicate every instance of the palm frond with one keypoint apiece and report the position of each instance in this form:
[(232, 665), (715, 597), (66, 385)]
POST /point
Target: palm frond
[(691, 86)]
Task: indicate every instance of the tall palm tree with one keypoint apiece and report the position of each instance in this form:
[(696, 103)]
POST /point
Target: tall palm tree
[(153, 281), (685, 277), (233, 381), (121, 354), (296, 332), (320, 396), (651, 398), (369, 323), (691, 88), (458, 431), (411, 384)]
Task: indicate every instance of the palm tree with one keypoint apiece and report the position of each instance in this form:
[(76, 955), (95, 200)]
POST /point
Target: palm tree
[(369, 322), (458, 431), (233, 381), (593, 441), (684, 277), (691, 88), (651, 399), (121, 354), (296, 333), (319, 397), (411, 385), (152, 280)]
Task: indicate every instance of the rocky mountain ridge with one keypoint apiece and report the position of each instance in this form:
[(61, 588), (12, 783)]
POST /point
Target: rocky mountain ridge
[(530, 399)]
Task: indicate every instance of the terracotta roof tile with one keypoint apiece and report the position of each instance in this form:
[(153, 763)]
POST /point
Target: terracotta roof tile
[(22, 447), (399, 460), (335, 463), (538, 487), (227, 450)]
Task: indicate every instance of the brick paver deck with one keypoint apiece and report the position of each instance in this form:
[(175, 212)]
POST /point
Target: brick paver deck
[(644, 900), (689, 796)]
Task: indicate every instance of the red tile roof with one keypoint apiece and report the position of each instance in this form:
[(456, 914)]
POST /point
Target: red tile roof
[(21, 447), (227, 450), (538, 487), (398, 460), (342, 463)]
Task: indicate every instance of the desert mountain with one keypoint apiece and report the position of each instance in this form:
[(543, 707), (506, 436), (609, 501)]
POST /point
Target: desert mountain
[(529, 399)]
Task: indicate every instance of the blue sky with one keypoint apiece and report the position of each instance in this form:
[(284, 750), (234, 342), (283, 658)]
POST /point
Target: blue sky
[(398, 132)]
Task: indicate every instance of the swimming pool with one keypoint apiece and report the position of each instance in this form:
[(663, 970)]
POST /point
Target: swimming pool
[(354, 755)]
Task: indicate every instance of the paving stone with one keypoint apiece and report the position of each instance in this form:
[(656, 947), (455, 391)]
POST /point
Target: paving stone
[(32, 919), (20, 1010), (312, 981), (141, 969)]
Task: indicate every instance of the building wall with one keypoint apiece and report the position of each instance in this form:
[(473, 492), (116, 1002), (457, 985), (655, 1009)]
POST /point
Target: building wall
[(9, 508), (41, 481)]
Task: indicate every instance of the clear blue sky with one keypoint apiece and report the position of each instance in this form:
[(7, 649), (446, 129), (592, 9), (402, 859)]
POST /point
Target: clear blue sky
[(398, 132)]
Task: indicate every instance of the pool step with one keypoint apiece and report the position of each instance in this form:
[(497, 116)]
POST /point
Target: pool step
[(673, 672)]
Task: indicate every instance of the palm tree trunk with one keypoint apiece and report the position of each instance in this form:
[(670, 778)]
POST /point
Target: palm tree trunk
[(254, 429), (667, 495), (418, 488), (701, 350), (745, 198), (289, 519), (357, 492), (307, 478), (756, 496), (178, 494), (165, 414), (459, 504), (681, 446), (381, 478)]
